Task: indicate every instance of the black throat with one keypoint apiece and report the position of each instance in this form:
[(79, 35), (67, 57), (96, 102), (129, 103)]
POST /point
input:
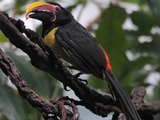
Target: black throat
[(47, 27), (63, 17)]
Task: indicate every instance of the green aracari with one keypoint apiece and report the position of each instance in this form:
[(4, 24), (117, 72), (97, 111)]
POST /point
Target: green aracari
[(73, 43)]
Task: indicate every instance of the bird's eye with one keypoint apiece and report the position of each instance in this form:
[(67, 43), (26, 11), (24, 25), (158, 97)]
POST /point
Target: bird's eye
[(57, 8)]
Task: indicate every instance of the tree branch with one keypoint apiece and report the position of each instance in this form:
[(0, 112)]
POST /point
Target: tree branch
[(48, 109), (44, 58)]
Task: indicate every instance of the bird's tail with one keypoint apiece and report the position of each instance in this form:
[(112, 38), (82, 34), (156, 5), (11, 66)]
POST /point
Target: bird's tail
[(121, 96)]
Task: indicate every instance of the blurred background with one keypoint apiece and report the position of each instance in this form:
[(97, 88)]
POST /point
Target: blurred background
[(129, 30)]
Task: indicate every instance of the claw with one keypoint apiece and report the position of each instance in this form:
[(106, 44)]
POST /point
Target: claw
[(72, 67), (85, 81), (78, 74)]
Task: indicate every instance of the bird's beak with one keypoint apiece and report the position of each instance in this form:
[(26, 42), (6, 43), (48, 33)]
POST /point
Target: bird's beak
[(41, 10), (32, 6)]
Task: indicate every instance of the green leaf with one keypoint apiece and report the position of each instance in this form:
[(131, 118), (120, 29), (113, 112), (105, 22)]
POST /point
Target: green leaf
[(132, 39), (70, 8), (3, 38), (155, 8), (2, 77), (158, 67), (156, 91), (112, 36), (10, 105), (97, 83), (134, 74), (151, 48), (144, 21), (139, 2), (30, 112), (19, 4), (38, 80), (81, 2)]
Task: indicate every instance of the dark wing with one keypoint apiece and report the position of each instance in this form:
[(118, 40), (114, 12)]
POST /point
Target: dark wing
[(82, 48)]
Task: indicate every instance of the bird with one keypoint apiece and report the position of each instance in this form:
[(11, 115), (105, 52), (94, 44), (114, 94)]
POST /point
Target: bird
[(74, 44)]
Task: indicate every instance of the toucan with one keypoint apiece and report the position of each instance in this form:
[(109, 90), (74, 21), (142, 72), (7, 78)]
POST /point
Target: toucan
[(73, 43)]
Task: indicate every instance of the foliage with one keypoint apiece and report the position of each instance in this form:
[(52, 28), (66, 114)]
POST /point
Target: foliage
[(129, 50)]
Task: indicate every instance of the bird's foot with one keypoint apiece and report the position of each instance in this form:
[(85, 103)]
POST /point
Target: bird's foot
[(71, 67), (84, 81), (78, 74)]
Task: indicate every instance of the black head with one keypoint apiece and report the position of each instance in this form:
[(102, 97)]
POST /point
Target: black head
[(49, 12)]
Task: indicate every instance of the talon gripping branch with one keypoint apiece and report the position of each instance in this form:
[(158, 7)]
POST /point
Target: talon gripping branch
[(73, 43)]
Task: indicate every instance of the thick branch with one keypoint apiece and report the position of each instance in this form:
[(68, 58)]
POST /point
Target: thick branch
[(48, 109), (98, 103)]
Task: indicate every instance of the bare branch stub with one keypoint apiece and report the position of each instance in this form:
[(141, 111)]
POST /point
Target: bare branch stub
[(138, 96)]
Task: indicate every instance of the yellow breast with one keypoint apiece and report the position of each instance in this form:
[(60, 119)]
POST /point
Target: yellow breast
[(49, 39)]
